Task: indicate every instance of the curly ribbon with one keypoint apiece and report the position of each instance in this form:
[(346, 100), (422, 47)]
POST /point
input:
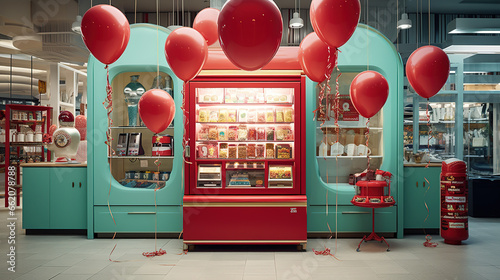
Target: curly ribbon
[(428, 238), (428, 242), (336, 103), (156, 252), (185, 138), (108, 105), (325, 88), (367, 136)]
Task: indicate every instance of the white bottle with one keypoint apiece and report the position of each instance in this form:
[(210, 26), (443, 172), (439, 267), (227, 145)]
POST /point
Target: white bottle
[(323, 149)]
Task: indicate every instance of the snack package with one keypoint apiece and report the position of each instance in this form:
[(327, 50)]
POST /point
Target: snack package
[(222, 131), (213, 115), (269, 115), (252, 134), (269, 150), (231, 151), (203, 115), (251, 151), (223, 115), (242, 115), (270, 133), (231, 115), (252, 116), (284, 133), (212, 132), (288, 115), (242, 133), (223, 150), (283, 151), (242, 151), (259, 151), (203, 133), (202, 151), (261, 133), (212, 151), (232, 133), (261, 116), (280, 115)]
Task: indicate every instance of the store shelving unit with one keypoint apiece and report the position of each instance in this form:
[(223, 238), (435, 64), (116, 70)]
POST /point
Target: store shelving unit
[(15, 151)]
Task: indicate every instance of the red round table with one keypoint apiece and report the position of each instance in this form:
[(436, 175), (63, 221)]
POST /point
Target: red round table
[(372, 195)]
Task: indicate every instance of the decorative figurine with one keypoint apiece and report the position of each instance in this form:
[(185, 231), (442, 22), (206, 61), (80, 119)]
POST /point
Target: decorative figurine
[(133, 92), (65, 140)]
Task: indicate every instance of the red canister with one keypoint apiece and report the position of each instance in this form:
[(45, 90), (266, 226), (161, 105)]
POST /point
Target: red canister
[(454, 220)]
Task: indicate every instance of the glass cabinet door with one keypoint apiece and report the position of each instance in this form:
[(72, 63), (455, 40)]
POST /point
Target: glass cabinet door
[(344, 145)]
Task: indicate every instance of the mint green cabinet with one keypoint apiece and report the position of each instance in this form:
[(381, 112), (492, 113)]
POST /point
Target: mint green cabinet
[(54, 197), (418, 193), (68, 198), (36, 185)]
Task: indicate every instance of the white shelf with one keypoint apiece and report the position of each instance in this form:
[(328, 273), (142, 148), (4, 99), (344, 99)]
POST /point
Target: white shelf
[(345, 157), (66, 104), (147, 157), (135, 127), (349, 126)]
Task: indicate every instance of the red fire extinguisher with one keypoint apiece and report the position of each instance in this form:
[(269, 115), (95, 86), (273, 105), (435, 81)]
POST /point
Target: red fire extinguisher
[(454, 221)]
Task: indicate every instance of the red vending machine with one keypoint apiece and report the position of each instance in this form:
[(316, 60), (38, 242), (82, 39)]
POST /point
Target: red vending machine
[(245, 173)]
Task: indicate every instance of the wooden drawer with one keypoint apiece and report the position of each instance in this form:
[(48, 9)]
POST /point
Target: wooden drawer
[(138, 219), (352, 219)]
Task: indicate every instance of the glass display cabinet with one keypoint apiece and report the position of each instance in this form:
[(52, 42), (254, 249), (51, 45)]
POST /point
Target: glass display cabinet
[(334, 154), (247, 132), (245, 171), (125, 177)]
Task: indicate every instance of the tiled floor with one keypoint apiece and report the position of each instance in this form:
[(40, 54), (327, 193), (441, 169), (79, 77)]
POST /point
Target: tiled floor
[(75, 257)]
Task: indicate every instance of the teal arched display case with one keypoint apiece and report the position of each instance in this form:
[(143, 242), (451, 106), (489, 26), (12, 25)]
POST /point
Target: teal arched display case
[(124, 181), (327, 175)]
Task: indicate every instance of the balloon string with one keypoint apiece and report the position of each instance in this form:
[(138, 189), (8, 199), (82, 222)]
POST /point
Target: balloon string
[(367, 136), (108, 105), (185, 138), (156, 252), (428, 238)]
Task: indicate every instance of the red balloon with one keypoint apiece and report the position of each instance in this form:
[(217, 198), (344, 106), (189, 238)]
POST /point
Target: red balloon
[(157, 109), (250, 32), (315, 56), (186, 52), (105, 31), (427, 70), (335, 20), (369, 91), (206, 23)]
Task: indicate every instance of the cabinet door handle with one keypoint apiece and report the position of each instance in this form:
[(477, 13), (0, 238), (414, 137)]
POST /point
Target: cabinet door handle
[(355, 212), (80, 184), (141, 213), (423, 183), (72, 184), (417, 184)]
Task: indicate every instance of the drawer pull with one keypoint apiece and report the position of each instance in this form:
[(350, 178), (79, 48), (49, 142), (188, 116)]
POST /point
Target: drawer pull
[(423, 183), (80, 184), (72, 184), (355, 212), (141, 212), (417, 184)]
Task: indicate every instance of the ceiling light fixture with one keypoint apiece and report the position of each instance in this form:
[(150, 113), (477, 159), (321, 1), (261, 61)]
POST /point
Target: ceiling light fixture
[(404, 22), (296, 21), (76, 26)]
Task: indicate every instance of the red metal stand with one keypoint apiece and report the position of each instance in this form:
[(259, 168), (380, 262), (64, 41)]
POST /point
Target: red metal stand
[(373, 235)]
